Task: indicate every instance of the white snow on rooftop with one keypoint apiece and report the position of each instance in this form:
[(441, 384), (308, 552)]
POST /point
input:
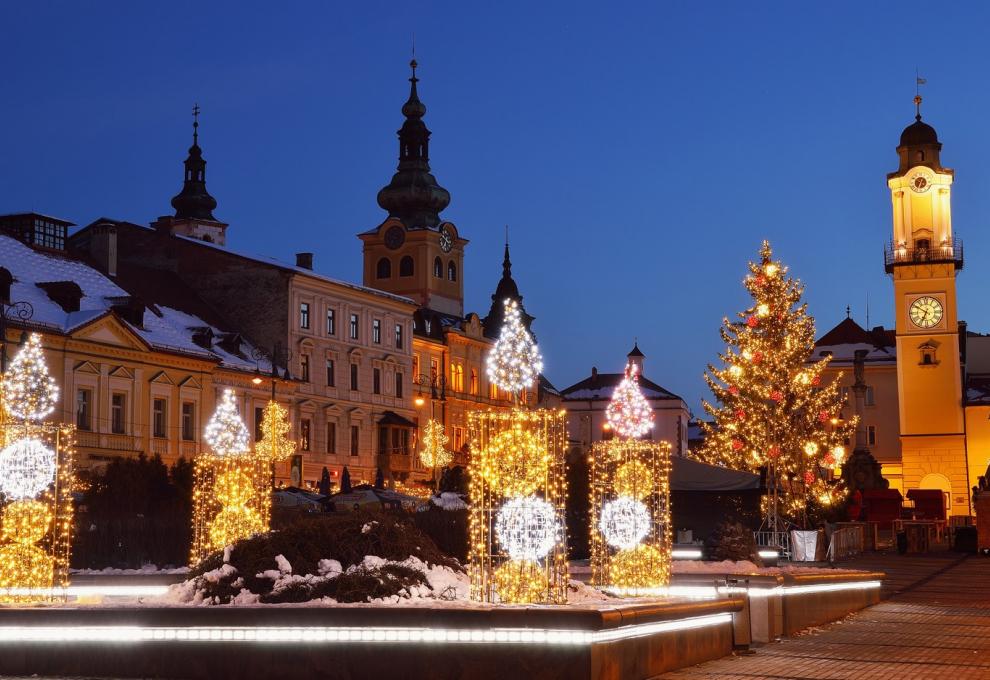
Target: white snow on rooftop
[(172, 331)]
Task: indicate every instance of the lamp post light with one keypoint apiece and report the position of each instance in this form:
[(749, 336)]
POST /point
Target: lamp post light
[(278, 355)]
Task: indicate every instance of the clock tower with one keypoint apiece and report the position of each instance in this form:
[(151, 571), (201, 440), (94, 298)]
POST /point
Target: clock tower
[(923, 259), (414, 252)]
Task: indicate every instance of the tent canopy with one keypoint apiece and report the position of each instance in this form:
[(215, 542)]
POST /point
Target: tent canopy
[(690, 475)]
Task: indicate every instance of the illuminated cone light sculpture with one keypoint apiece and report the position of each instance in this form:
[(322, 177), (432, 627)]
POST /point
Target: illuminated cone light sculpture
[(231, 494), (630, 498), (35, 483), (518, 550)]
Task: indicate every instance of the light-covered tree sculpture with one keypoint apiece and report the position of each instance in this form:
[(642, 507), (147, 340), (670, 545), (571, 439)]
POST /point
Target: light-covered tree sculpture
[(773, 408), (275, 442), (35, 482), (434, 453), (518, 547), (630, 498), (231, 494)]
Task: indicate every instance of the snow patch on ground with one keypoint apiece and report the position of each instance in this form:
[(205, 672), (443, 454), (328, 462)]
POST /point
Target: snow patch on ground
[(448, 500), (745, 567), (146, 569)]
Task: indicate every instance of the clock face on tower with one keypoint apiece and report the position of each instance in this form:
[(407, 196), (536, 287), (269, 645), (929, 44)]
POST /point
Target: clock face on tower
[(395, 237), (920, 180), (446, 239), (926, 312)]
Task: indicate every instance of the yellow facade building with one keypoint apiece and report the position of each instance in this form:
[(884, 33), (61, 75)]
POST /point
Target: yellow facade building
[(928, 400)]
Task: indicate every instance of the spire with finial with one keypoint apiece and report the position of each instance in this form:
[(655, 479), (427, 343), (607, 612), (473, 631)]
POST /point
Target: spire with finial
[(848, 312), (919, 143), (413, 195), (506, 289), (194, 201)]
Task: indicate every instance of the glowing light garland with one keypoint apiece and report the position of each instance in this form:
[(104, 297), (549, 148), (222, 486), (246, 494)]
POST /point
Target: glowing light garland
[(36, 481), (435, 453), (629, 413), (231, 484), (275, 442), (514, 362), (515, 462), (29, 393)]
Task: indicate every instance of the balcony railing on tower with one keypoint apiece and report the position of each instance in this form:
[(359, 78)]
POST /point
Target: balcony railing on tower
[(944, 252)]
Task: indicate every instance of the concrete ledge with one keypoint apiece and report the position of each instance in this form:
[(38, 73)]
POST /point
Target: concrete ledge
[(623, 641), (784, 604)]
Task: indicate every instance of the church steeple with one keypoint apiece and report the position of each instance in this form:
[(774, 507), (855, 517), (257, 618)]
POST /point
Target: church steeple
[(506, 289), (413, 195), (194, 201)]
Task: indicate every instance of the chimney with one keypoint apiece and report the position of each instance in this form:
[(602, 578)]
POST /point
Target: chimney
[(304, 260), (103, 247)]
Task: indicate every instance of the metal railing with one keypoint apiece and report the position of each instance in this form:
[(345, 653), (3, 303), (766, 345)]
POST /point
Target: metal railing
[(845, 542), (774, 539), (944, 252)]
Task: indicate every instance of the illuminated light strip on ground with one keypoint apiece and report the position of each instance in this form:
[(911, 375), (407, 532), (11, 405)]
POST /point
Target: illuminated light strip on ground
[(768, 554), (140, 634), (710, 592), (686, 554), (88, 591)]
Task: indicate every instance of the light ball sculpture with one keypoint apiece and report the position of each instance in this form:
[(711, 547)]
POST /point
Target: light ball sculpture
[(624, 522), (518, 548), (630, 531), (36, 477), (27, 468)]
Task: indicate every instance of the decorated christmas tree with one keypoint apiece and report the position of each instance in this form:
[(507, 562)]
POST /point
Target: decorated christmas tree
[(774, 409), (629, 413), (514, 362), (29, 392), (225, 432)]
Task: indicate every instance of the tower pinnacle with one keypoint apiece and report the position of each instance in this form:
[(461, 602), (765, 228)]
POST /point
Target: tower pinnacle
[(194, 201)]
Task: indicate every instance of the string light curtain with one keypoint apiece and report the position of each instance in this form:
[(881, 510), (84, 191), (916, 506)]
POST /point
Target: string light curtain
[(773, 409), (36, 477), (518, 543), (231, 494)]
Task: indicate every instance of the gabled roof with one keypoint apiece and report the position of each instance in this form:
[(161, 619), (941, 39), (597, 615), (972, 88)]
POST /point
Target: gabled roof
[(601, 385), (842, 341), (163, 327)]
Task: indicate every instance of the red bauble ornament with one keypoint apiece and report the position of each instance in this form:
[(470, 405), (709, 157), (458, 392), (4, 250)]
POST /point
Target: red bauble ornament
[(740, 415), (736, 444), (752, 322), (822, 416), (817, 380), (776, 395), (809, 479), (829, 460), (761, 280), (774, 452), (757, 357), (733, 390)]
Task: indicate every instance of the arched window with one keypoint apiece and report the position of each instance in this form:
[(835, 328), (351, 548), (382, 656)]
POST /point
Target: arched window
[(451, 271), (384, 268), (406, 266), (437, 268)]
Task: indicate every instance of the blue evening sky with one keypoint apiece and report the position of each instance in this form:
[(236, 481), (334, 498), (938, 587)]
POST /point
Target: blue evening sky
[(638, 152)]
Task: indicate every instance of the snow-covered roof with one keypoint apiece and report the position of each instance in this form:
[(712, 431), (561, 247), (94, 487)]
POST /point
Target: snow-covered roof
[(601, 385), (847, 337), (163, 328)]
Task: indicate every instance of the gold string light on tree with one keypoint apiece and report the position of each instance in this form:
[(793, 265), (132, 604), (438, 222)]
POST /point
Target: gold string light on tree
[(773, 407), (231, 495), (36, 480), (630, 498), (518, 546), (275, 442), (434, 453)]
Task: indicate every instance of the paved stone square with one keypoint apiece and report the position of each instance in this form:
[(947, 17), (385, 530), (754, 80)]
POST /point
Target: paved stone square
[(934, 623)]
